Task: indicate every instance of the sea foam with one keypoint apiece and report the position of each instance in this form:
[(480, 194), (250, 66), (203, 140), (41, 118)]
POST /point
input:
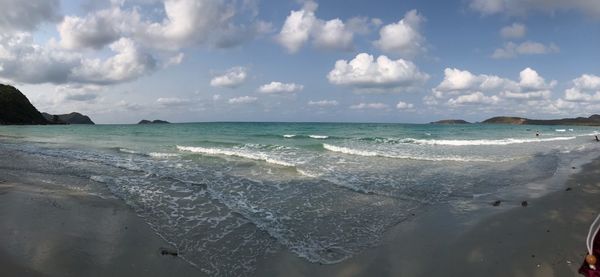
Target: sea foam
[(258, 156), (369, 153)]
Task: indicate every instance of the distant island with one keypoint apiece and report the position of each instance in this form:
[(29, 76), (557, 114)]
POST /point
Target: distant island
[(593, 120), (72, 118), (157, 121), (15, 109), (451, 121)]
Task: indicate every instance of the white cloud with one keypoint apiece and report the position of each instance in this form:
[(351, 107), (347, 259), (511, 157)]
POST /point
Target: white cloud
[(586, 88), (172, 102), (278, 87), (20, 15), (514, 31), (473, 98), (364, 72), (94, 31), (373, 106), (323, 103), (185, 23), (242, 100), (128, 64), (175, 60), (511, 49), (404, 106), (461, 87), (302, 26), (24, 61), (232, 78), (522, 7), (403, 38)]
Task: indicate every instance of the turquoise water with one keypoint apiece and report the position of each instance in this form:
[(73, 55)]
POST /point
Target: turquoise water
[(227, 194)]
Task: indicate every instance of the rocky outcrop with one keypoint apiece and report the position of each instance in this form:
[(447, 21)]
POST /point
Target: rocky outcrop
[(451, 121), (72, 118), (157, 121), (15, 108)]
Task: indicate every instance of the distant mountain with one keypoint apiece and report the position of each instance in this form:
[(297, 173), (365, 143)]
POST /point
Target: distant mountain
[(593, 120), (15, 108), (72, 118), (157, 121), (451, 121)]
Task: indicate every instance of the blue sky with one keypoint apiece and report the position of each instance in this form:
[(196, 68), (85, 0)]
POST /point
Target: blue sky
[(256, 60)]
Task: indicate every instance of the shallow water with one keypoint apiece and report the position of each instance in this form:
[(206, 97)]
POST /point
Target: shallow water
[(227, 194)]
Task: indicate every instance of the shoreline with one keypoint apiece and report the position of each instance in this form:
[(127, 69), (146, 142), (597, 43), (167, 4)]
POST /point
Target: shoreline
[(545, 238), (86, 234), (50, 230)]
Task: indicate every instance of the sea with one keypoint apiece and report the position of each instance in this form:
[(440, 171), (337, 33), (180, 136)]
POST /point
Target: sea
[(225, 195)]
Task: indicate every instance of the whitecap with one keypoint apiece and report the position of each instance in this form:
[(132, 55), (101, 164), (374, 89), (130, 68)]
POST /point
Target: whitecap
[(475, 142), (368, 153), (259, 156), (318, 137)]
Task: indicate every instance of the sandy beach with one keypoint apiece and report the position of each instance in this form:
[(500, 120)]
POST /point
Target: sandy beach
[(55, 225), (52, 230), (546, 238)]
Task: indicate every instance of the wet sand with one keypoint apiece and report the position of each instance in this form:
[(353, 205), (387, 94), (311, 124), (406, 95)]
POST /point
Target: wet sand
[(49, 230), (545, 238), (58, 230)]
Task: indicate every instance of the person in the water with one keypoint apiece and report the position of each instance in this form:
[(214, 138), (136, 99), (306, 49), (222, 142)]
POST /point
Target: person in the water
[(597, 138)]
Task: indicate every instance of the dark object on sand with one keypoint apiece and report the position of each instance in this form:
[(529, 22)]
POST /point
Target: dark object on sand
[(589, 268), (524, 204), (568, 189), (597, 138), (170, 252), (496, 203)]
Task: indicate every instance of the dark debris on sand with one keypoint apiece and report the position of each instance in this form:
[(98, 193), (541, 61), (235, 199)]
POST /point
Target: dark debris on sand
[(170, 252), (496, 203)]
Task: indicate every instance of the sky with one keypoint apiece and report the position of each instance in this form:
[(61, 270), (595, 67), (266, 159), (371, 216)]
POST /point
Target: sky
[(120, 61)]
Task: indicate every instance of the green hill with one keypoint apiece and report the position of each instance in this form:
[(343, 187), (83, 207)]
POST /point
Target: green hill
[(15, 108)]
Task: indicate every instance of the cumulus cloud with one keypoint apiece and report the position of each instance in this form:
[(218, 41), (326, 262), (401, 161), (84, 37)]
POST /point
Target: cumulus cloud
[(522, 7), (364, 72), (172, 102), (461, 87), (404, 106), (278, 87), (473, 98), (232, 78), (242, 100), (24, 61), (323, 103), (19, 15), (372, 106), (514, 31), (586, 88), (511, 49), (302, 26), (185, 23), (404, 37)]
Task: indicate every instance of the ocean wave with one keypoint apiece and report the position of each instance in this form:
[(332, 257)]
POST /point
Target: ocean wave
[(162, 155), (368, 153), (289, 136), (461, 142), (128, 151), (236, 153), (318, 136)]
